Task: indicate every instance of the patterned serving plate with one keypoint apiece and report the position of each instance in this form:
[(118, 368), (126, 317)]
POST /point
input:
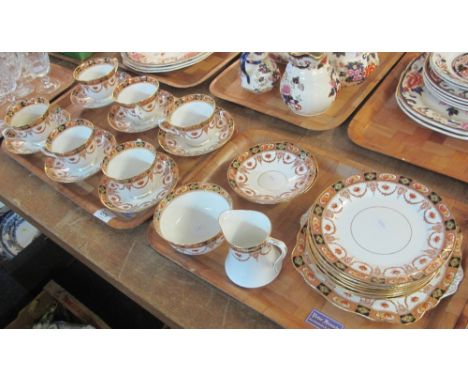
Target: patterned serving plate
[(162, 58), (411, 93), (218, 135), (164, 68), (399, 310), (452, 67), (382, 228), (272, 173), (118, 197)]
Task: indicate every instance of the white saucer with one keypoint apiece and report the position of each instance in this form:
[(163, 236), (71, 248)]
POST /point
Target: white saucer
[(56, 169), (218, 136), (16, 146)]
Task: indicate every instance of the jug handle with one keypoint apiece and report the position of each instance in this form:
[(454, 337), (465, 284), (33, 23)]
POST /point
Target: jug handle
[(283, 252)]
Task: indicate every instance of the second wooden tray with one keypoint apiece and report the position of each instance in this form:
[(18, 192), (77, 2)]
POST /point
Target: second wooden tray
[(288, 300), (381, 126), (227, 86)]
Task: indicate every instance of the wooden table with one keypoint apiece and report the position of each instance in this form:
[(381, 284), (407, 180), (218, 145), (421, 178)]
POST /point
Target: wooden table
[(172, 294)]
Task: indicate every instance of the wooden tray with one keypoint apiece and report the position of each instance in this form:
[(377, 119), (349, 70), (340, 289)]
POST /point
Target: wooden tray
[(184, 78), (288, 300), (54, 294), (61, 73), (85, 193), (381, 126), (227, 86)]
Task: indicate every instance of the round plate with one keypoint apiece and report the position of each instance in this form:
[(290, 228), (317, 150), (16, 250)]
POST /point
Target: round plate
[(399, 310), (118, 121), (218, 136), (16, 234), (272, 173), (412, 94), (382, 228), (117, 197), (452, 67), (16, 146), (57, 170)]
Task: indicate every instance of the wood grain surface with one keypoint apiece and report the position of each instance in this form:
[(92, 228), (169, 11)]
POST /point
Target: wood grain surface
[(287, 300), (381, 126), (227, 86), (184, 78)]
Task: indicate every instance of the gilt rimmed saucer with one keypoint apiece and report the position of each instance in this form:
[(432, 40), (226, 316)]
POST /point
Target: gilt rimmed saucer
[(218, 135), (272, 173), (57, 170), (118, 197), (398, 310), (78, 96), (17, 146), (119, 121)]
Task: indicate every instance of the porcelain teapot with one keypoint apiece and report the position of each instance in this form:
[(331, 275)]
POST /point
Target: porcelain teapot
[(309, 84), (255, 259), (259, 72)]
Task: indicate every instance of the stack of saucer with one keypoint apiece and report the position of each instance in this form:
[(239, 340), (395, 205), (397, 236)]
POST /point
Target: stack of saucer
[(433, 91), (162, 62), (380, 245)]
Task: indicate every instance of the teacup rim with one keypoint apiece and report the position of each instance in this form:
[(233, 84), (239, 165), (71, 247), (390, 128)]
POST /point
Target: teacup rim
[(121, 147), (14, 108), (65, 126), (165, 124), (131, 81), (183, 190), (92, 62)]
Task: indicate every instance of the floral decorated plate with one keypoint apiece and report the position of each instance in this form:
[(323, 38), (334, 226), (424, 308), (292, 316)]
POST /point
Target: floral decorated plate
[(412, 93), (272, 173), (443, 88), (451, 66), (18, 146), (218, 136), (454, 133), (118, 197), (57, 169), (382, 228), (399, 310), (16, 234), (148, 62)]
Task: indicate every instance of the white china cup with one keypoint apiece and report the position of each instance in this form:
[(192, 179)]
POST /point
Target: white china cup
[(29, 121), (97, 77), (74, 143), (188, 217), (255, 259), (140, 98), (190, 117)]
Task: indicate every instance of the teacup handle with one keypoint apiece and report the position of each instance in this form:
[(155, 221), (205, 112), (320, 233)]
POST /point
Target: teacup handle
[(9, 133), (283, 252), (47, 152)]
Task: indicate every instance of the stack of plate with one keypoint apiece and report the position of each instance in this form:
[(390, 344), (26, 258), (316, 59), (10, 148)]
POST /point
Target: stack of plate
[(433, 91), (162, 62), (380, 245)]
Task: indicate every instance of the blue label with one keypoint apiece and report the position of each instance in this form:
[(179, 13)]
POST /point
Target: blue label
[(322, 321)]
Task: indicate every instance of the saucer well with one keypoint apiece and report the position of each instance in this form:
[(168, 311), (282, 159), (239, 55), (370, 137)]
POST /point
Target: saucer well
[(218, 136), (57, 170), (118, 197), (120, 122), (17, 146), (272, 173)]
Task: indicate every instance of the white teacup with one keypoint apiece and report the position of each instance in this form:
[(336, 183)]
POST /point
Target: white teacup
[(140, 98), (74, 143), (188, 217), (131, 164), (97, 77), (29, 121), (190, 117)]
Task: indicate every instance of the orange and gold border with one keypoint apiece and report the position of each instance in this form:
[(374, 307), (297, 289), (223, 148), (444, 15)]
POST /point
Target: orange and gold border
[(96, 61), (131, 81), (16, 107), (68, 125)]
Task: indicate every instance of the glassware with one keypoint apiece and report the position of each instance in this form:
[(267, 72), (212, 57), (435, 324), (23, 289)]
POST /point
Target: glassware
[(24, 85), (10, 71), (38, 64)]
